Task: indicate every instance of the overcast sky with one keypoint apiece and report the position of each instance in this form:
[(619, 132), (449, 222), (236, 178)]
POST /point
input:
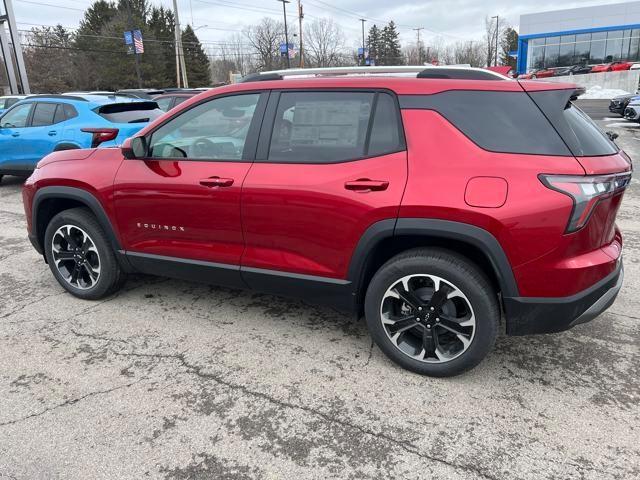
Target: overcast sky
[(451, 19)]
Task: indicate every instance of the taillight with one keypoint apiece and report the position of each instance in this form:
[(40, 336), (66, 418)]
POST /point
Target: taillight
[(586, 192), (101, 135)]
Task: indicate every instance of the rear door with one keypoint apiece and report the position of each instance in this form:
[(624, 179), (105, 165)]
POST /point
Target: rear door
[(329, 165), (178, 210)]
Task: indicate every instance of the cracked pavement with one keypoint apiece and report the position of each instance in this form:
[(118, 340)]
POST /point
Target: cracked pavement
[(174, 380)]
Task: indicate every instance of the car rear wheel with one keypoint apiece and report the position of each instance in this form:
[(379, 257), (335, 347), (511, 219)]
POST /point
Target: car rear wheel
[(80, 255), (432, 312)]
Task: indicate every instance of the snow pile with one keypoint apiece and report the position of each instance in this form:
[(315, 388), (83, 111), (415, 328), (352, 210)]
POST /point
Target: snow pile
[(598, 93)]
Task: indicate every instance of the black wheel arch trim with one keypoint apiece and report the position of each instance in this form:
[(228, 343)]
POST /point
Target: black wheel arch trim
[(435, 228), (80, 195)]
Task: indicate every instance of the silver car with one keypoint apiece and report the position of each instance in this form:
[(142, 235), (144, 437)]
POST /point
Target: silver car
[(632, 112)]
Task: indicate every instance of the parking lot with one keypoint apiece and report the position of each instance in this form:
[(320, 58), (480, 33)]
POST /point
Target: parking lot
[(169, 379)]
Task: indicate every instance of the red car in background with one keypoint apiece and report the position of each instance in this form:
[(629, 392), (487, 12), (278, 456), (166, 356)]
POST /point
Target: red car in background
[(611, 67), (542, 73)]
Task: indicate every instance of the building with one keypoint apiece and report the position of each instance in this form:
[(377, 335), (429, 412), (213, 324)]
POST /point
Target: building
[(587, 35)]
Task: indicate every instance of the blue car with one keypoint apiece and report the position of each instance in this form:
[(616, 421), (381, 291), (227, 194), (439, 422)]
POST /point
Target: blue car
[(41, 124)]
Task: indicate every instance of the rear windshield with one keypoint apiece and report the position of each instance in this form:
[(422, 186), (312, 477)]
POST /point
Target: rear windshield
[(135, 112), (583, 137)]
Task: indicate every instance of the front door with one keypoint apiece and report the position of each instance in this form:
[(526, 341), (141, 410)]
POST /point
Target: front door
[(178, 210), (12, 127)]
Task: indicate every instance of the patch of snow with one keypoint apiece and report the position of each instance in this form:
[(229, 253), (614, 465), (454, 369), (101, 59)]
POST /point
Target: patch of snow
[(623, 125), (598, 93)]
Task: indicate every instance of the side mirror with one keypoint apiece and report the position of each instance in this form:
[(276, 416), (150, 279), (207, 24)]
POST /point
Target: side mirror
[(135, 147)]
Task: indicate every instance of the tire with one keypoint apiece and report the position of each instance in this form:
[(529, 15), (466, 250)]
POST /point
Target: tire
[(99, 275), (465, 296)]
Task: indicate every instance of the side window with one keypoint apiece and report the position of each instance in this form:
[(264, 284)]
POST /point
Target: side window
[(164, 103), (11, 102), (179, 100), (16, 118), (69, 111), (59, 116), (320, 127), (385, 136), (504, 122), (43, 114), (213, 130)]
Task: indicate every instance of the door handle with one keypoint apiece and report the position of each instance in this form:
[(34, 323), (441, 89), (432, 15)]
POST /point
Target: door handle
[(52, 133), (365, 185), (213, 182), (15, 134)]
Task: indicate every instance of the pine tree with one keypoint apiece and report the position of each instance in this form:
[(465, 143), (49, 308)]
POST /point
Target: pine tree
[(161, 44), (196, 60), (509, 43), (374, 43), (392, 53)]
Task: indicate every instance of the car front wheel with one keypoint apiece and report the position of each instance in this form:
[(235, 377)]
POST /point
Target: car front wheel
[(80, 255), (432, 312)]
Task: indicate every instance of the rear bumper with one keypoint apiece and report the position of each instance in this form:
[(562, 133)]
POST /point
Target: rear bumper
[(527, 315)]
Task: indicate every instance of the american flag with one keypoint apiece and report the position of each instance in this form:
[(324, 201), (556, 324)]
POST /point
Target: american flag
[(137, 41)]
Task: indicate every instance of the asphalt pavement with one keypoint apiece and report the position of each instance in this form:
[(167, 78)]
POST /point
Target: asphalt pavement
[(174, 380)]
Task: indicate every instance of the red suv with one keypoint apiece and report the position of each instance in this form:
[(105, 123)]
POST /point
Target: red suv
[(444, 207)]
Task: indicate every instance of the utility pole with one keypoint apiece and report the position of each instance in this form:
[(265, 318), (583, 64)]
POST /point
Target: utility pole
[(364, 61), (497, 36), (417, 30), (300, 17), (286, 32), (135, 53), (180, 64), (10, 18)]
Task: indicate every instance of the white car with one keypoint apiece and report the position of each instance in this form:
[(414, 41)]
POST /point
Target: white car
[(632, 112)]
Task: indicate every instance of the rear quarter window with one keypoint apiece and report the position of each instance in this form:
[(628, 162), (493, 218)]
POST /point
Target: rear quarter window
[(504, 122)]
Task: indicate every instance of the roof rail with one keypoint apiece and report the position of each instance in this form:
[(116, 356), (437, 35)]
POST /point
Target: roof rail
[(57, 95), (422, 71)]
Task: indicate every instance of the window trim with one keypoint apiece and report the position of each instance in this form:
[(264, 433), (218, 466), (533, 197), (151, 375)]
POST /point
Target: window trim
[(251, 142), (33, 111), (266, 132)]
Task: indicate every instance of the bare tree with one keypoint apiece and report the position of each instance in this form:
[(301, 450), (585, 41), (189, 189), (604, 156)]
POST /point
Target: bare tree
[(265, 39), (471, 53), (490, 38), (324, 43)]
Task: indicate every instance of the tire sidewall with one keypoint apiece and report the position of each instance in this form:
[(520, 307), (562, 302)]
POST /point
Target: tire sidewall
[(108, 272), (479, 295)]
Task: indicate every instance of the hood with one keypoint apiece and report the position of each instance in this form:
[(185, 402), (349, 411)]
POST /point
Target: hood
[(64, 155)]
